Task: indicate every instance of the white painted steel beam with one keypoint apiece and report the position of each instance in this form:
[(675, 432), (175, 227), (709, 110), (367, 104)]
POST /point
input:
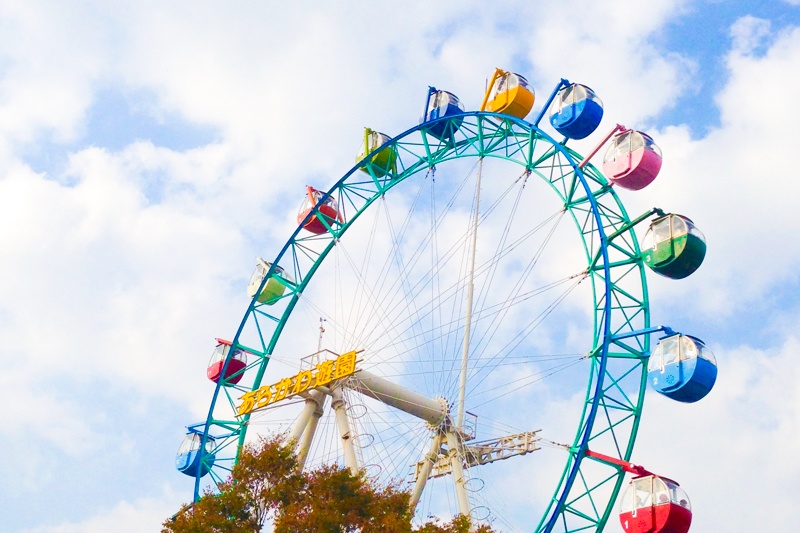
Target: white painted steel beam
[(313, 402), (456, 457), (310, 429), (462, 382), (432, 411), (343, 422), (489, 451), (424, 470)]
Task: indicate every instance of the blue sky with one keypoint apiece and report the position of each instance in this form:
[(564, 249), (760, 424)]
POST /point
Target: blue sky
[(149, 151)]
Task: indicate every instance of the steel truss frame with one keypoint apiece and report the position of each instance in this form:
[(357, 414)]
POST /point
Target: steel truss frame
[(585, 493)]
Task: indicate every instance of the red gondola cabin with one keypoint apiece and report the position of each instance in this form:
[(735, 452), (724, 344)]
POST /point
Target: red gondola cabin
[(328, 211), (652, 504), (234, 372)]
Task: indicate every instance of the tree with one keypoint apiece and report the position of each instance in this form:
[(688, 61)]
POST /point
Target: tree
[(266, 485)]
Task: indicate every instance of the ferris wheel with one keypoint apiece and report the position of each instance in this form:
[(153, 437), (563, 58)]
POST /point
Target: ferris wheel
[(466, 312)]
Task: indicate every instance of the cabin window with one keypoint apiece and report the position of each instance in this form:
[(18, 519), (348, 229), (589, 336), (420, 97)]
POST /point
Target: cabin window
[(670, 350), (642, 493), (567, 96), (650, 145), (661, 229), (655, 359), (678, 496), (637, 142), (705, 353), (258, 275), (688, 349), (626, 505), (679, 228), (623, 144), (660, 493), (648, 242)]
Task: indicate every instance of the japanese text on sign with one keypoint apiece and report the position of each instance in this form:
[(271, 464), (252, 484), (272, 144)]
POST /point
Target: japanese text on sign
[(323, 374)]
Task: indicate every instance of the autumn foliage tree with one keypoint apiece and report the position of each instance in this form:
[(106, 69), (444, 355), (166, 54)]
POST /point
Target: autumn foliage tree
[(266, 486)]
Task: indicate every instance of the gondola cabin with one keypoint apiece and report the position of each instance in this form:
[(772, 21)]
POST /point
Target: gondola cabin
[(188, 460), (673, 246), (274, 287), (682, 368), (510, 94), (632, 160), (234, 371), (382, 163), (653, 504), (328, 212), (441, 104), (576, 111)]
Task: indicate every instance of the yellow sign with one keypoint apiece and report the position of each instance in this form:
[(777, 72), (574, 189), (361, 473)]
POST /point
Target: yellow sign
[(323, 374)]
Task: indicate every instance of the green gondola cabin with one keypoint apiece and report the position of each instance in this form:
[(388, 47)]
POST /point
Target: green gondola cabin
[(382, 163), (673, 247)]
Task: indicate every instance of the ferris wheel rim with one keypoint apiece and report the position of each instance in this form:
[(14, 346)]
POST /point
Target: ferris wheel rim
[(587, 420)]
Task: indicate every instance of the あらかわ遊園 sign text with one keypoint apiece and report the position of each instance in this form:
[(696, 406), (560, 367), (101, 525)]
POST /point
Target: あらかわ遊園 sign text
[(321, 375)]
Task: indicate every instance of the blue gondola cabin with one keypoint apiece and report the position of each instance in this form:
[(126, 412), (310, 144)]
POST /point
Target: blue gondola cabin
[(576, 111), (652, 504), (188, 461), (236, 366), (682, 368), (442, 104), (673, 247), (274, 287)]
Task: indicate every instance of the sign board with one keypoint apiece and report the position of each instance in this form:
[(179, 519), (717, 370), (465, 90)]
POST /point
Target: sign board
[(322, 375)]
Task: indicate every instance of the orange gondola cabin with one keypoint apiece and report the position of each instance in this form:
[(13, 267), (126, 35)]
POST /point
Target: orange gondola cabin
[(509, 94)]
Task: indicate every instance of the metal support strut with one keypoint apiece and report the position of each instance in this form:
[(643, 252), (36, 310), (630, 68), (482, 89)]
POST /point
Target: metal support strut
[(343, 423)]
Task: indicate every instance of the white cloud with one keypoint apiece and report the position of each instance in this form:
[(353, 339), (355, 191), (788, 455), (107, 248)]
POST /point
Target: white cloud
[(145, 514), (748, 33)]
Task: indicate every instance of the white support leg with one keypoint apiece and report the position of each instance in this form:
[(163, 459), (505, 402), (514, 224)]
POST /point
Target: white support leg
[(313, 403), (342, 421), (456, 463), (310, 429), (425, 472)]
